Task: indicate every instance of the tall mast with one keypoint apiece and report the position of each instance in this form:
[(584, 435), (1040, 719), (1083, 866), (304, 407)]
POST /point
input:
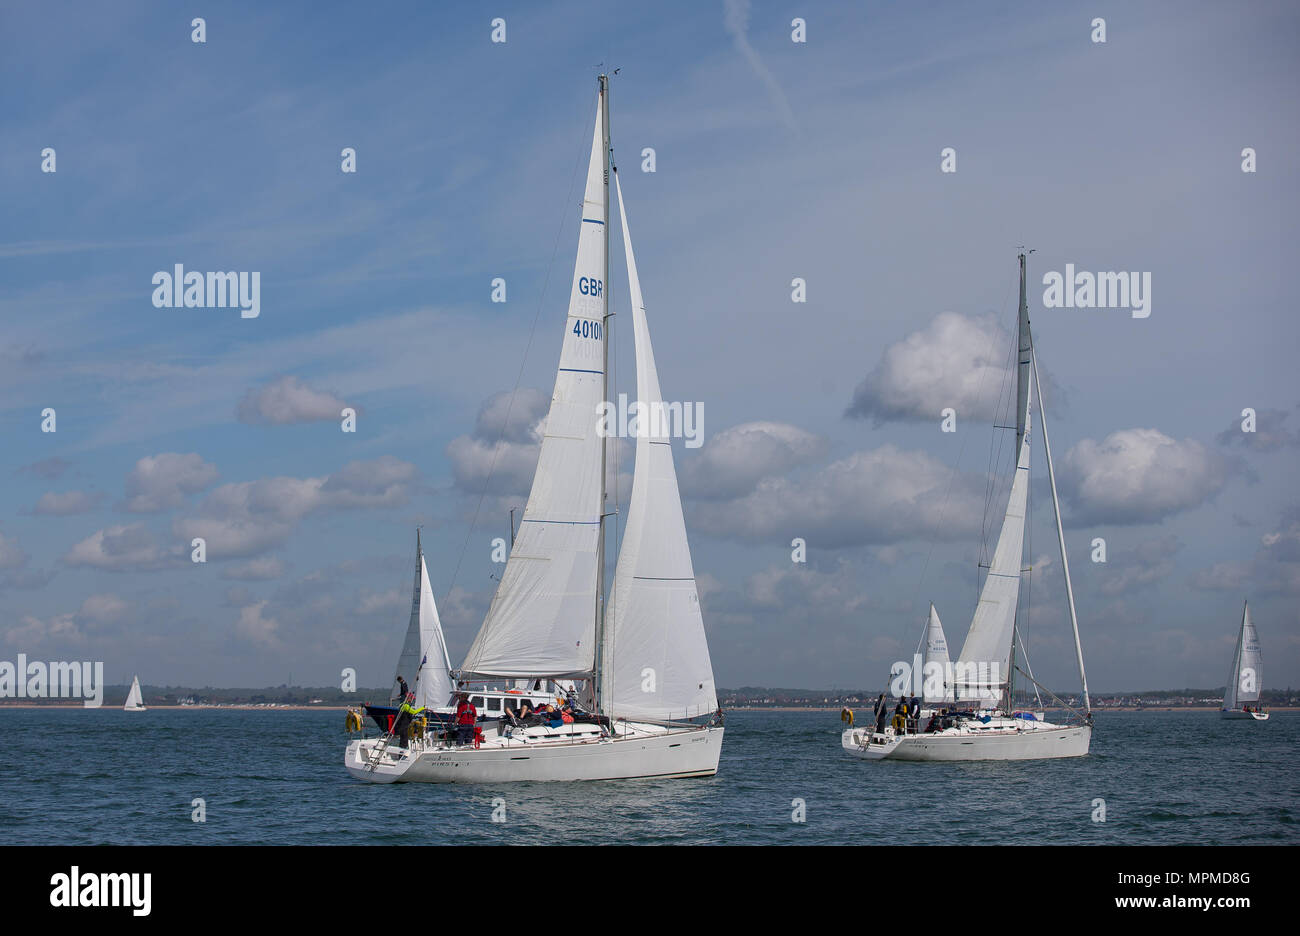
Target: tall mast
[(1060, 531), (1022, 361), (598, 675)]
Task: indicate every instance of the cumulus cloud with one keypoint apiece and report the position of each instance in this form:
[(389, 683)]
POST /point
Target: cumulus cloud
[(957, 361), (1140, 476), (733, 461), (373, 602), (118, 549), (501, 454), (67, 503), (254, 627), (1270, 435), (249, 517), (288, 400), (161, 482), (886, 495), (103, 608)]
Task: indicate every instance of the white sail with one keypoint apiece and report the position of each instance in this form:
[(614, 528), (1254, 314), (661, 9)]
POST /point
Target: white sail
[(424, 652), (935, 665), (542, 619), (1244, 682), (660, 667), (983, 668), (134, 698)]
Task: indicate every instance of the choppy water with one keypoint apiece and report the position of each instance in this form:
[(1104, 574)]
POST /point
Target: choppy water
[(277, 777)]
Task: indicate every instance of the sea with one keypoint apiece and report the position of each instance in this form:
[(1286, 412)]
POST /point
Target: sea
[(276, 777)]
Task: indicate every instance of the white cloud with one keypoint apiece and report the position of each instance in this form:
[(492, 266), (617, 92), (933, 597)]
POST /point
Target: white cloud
[(288, 400), (118, 549), (886, 495), (1139, 476), (957, 361), (256, 629), (249, 517), (502, 451), (67, 503), (103, 608), (733, 461), (161, 482)]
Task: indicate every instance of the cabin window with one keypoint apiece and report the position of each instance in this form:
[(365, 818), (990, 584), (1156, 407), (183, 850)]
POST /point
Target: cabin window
[(476, 701), (494, 705)]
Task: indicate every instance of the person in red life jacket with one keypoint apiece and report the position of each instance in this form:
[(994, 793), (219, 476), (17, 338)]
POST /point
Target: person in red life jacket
[(466, 715)]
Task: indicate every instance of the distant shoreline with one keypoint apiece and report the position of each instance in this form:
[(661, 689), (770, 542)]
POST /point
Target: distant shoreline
[(254, 707)]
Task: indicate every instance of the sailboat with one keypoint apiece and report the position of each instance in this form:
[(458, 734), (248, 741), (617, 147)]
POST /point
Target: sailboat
[(982, 723), (1241, 695), (134, 698), (649, 705), (424, 655)]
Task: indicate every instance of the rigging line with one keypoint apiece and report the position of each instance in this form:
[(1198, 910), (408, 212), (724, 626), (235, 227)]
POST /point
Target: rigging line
[(952, 474), (1064, 704), (505, 425)]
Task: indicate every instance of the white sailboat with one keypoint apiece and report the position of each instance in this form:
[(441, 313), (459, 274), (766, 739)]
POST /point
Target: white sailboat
[(1241, 695), (134, 698), (641, 656), (982, 724)]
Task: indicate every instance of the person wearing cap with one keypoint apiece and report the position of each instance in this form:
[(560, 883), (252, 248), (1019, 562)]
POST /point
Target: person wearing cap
[(402, 725)]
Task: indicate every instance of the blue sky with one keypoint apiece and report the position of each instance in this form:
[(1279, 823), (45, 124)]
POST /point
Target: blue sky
[(774, 159)]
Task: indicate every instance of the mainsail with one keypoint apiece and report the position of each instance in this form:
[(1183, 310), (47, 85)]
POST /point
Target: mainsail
[(1247, 666), (935, 668), (659, 656), (424, 652), (542, 620)]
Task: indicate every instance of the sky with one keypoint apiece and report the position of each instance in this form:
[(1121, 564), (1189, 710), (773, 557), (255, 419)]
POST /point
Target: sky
[(774, 160)]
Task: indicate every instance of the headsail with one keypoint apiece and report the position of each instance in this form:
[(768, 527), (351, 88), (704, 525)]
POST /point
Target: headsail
[(542, 619), (938, 684), (424, 652), (656, 643), (1244, 681)]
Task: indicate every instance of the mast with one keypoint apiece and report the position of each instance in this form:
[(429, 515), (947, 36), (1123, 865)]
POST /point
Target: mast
[(1022, 361), (1060, 531), (599, 670)]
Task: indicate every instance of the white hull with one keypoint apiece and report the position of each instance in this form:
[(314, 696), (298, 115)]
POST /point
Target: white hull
[(1034, 743), (644, 752), (136, 709), (1239, 715)]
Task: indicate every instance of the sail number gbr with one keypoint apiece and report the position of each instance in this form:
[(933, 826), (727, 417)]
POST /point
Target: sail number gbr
[(584, 328)]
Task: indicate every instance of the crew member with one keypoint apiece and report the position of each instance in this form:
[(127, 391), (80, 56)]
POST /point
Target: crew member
[(466, 715)]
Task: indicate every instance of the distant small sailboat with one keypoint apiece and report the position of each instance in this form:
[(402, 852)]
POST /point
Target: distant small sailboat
[(134, 698), (1241, 694)]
